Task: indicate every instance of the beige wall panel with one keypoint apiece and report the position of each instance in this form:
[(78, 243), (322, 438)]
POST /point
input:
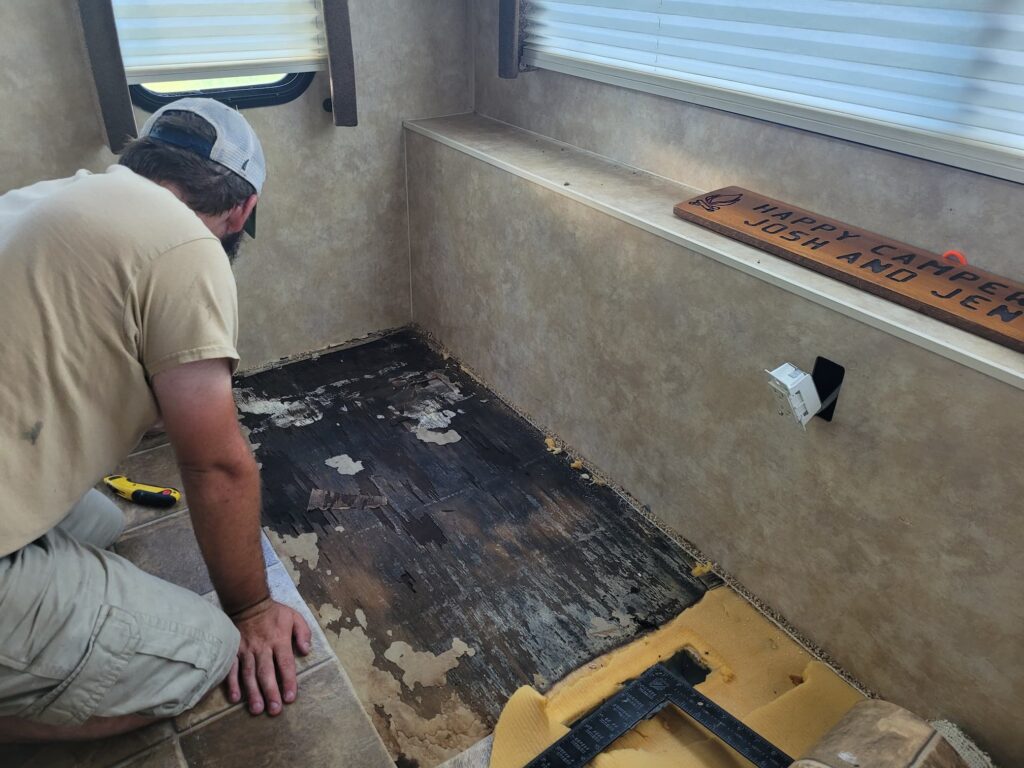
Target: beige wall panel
[(331, 259), (892, 536), (49, 120), (932, 206)]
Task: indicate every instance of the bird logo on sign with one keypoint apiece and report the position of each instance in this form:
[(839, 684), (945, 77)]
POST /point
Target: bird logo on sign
[(712, 203)]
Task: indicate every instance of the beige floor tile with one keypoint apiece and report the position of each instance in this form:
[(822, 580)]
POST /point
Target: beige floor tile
[(93, 754), (211, 705), (168, 549), (269, 555), (166, 755), (282, 589), (153, 467), (326, 726)]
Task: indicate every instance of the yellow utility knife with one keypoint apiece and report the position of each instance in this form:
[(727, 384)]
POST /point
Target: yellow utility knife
[(140, 493)]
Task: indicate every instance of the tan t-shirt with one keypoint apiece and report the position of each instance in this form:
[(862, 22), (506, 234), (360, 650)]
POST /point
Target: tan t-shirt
[(105, 281)]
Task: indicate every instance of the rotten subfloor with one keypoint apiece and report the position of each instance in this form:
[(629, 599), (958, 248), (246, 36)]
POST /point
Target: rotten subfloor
[(448, 556)]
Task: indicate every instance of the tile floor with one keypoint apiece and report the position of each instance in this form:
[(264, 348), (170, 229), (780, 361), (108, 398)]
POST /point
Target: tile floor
[(326, 726)]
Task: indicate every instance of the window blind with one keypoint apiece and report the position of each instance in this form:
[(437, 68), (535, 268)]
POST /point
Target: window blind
[(941, 79), (192, 39)]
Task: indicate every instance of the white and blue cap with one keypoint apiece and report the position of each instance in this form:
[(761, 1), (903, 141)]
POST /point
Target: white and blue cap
[(236, 148)]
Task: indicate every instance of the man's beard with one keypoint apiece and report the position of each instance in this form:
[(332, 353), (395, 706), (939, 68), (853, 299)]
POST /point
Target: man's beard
[(231, 244)]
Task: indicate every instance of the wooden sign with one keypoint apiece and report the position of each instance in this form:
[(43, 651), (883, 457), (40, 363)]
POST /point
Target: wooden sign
[(969, 298)]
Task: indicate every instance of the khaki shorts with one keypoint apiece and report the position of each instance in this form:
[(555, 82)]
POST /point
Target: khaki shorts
[(84, 633)]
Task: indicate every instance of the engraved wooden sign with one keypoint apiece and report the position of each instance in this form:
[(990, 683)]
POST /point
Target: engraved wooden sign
[(969, 298)]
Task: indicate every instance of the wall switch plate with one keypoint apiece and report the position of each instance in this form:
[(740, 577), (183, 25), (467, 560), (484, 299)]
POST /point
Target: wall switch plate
[(795, 393)]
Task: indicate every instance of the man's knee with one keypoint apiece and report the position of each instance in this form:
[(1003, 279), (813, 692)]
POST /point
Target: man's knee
[(125, 643), (94, 520), (178, 661)]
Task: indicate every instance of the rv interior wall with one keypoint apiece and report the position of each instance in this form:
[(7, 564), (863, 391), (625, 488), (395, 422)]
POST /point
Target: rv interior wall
[(932, 206), (330, 262), (901, 561)]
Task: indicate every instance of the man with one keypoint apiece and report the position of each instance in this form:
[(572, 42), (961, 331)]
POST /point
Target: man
[(118, 308)]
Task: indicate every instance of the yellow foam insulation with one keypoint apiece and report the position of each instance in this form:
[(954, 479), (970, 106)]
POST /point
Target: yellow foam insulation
[(758, 673)]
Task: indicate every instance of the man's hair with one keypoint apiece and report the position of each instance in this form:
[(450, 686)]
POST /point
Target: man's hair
[(207, 187)]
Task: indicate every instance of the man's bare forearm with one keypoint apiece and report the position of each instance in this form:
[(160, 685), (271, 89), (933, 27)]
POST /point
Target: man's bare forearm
[(224, 502)]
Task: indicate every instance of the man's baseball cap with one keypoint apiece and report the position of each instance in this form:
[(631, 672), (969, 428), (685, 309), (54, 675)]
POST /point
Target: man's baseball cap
[(236, 147)]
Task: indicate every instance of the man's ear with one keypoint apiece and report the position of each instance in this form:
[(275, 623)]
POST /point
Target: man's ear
[(240, 214)]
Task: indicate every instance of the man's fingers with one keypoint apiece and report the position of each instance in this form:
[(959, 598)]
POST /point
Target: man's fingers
[(252, 688), (267, 676), (300, 631), (234, 691), (286, 667)]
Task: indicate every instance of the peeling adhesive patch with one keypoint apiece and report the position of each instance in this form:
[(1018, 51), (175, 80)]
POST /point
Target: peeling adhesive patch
[(424, 667), (438, 438), (327, 614), (294, 413), (344, 464), (405, 732), (293, 549)]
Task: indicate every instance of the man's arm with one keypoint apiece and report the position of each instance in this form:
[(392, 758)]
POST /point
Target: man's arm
[(222, 485)]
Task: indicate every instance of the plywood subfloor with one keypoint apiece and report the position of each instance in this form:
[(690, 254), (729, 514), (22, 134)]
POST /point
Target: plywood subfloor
[(452, 559)]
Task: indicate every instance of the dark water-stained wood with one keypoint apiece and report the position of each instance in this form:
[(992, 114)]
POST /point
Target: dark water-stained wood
[(977, 301), (490, 539)]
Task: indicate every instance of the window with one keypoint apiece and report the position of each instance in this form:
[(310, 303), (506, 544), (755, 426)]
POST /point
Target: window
[(939, 79), (239, 92), (243, 52)]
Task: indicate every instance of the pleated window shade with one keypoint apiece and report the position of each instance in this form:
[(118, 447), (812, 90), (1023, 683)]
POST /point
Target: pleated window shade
[(194, 39), (940, 79)]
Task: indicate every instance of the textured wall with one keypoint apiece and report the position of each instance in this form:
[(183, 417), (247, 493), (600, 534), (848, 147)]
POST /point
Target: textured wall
[(50, 125), (331, 259), (892, 536), (926, 204)]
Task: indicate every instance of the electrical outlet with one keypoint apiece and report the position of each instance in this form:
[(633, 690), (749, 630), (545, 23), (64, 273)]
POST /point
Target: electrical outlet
[(795, 393)]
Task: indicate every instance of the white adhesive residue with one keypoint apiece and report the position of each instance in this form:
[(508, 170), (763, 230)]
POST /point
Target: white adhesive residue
[(432, 419), (361, 617), (432, 412), (438, 438), (344, 464), (295, 413)]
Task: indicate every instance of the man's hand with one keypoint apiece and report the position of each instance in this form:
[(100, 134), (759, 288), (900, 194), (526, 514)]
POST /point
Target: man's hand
[(265, 666)]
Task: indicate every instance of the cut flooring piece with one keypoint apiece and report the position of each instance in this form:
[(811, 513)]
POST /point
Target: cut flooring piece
[(492, 565)]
